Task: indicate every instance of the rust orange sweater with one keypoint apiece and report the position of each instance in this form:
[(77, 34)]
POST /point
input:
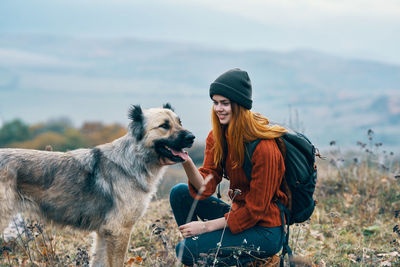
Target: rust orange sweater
[(255, 205)]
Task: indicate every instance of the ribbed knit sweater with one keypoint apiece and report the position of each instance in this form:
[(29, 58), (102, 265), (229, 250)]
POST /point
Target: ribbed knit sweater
[(256, 203)]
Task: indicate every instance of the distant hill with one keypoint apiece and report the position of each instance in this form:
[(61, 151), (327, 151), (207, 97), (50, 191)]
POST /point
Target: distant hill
[(328, 97)]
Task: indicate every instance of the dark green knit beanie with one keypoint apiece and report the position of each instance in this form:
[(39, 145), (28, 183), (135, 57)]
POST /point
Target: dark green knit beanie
[(234, 84)]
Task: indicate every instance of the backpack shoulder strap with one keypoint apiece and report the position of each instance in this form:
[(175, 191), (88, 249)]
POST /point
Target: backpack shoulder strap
[(249, 150), (281, 145), (248, 166), (248, 153)]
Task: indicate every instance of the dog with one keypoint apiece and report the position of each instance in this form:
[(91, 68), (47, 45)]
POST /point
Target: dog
[(105, 189)]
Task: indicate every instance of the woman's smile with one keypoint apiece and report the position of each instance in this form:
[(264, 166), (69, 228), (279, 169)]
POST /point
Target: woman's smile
[(221, 116), (223, 109)]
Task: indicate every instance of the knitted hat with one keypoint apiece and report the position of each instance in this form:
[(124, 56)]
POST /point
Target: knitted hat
[(234, 84)]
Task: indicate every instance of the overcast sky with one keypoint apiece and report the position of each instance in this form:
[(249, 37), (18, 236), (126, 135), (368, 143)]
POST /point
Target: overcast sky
[(367, 29)]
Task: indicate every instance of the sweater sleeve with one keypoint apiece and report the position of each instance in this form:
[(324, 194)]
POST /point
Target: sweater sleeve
[(207, 169), (267, 173)]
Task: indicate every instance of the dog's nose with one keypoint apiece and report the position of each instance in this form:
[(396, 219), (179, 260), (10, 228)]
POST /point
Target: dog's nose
[(189, 138)]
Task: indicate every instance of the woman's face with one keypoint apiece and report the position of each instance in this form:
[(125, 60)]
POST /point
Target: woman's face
[(223, 109)]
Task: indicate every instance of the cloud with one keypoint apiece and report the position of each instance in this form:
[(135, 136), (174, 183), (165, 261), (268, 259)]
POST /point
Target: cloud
[(358, 28), (11, 57), (288, 11)]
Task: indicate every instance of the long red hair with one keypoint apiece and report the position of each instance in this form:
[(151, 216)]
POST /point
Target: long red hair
[(244, 126)]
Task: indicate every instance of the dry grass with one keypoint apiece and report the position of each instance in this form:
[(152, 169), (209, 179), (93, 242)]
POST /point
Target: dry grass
[(354, 224)]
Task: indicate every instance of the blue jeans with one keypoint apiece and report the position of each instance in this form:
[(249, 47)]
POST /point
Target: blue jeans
[(236, 249)]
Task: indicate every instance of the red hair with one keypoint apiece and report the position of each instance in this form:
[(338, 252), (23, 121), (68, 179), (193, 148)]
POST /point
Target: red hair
[(244, 126)]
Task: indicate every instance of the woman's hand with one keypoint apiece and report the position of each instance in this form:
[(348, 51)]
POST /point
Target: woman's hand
[(193, 228)]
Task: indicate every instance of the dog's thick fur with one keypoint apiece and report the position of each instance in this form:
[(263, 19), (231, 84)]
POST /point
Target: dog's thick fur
[(105, 189)]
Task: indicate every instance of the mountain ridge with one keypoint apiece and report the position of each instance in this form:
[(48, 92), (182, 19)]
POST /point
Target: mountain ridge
[(336, 98)]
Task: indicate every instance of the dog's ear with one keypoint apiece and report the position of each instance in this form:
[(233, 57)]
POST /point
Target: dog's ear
[(135, 113), (168, 106), (137, 126)]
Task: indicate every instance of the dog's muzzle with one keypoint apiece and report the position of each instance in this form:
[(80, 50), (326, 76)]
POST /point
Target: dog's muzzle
[(173, 148)]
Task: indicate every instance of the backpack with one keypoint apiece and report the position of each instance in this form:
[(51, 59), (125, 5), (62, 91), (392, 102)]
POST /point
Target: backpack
[(300, 178)]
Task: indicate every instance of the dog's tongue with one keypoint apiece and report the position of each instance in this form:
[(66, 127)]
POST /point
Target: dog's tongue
[(182, 154)]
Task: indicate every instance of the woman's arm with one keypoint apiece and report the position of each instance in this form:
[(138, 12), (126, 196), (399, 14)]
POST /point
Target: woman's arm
[(203, 181), (193, 174), (201, 227)]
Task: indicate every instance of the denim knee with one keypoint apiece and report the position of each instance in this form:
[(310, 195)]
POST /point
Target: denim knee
[(183, 254), (178, 191)]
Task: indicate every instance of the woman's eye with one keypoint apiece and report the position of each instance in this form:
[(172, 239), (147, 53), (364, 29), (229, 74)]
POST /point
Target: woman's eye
[(165, 126)]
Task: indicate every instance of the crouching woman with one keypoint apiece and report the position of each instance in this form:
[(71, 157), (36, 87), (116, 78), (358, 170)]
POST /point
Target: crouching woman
[(251, 227)]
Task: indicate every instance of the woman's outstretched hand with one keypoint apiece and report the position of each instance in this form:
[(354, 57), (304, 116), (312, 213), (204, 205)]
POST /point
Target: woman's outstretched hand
[(193, 228)]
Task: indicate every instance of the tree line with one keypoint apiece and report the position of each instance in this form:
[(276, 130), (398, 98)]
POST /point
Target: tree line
[(60, 134)]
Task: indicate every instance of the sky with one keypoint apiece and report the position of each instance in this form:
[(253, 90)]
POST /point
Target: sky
[(365, 29), (356, 29)]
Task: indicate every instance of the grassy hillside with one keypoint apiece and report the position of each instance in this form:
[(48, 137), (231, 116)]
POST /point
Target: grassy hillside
[(355, 223)]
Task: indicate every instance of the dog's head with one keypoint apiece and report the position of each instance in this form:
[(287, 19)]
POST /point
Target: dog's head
[(160, 129)]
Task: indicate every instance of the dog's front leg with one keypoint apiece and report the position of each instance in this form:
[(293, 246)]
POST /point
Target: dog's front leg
[(110, 248), (117, 247)]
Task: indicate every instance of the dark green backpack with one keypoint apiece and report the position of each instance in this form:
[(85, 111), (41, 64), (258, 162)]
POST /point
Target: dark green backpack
[(301, 173), (300, 176)]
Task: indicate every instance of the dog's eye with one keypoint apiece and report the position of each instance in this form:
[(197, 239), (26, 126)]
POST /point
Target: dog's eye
[(165, 126)]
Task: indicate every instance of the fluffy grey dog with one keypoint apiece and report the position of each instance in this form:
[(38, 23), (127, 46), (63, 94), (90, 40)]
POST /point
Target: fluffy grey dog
[(105, 189)]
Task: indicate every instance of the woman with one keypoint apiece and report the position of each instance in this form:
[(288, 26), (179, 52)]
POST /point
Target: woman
[(252, 227)]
